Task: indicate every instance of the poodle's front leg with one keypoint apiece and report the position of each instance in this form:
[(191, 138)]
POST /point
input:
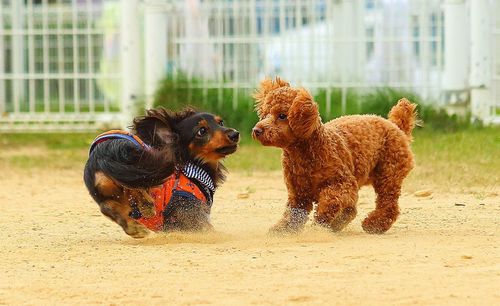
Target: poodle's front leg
[(337, 204), (294, 218)]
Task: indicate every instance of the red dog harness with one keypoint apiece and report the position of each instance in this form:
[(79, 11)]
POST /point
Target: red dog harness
[(185, 183)]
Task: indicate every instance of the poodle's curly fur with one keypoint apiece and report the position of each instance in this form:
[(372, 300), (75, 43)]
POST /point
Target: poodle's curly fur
[(328, 163)]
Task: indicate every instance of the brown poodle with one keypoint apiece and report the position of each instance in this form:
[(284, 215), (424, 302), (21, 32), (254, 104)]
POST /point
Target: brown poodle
[(328, 163)]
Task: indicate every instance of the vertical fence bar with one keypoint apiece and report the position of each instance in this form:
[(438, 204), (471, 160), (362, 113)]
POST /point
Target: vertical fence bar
[(205, 13), (176, 32), (76, 76), (46, 58), (329, 57), (18, 31), (2, 67), (254, 60), (439, 50), (236, 54), (344, 56), (155, 47), (220, 52), (264, 17), (31, 57), (130, 58), (360, 45), (60, 54), (456, 61), (480, 60), (282, 12), (313, 41), (391, 22), (90, 57), (300, 39), (495, 64), (424, 47)]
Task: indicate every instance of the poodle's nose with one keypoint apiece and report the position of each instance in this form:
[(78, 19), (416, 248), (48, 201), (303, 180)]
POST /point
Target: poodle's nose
[(234, 136), (257, 131)]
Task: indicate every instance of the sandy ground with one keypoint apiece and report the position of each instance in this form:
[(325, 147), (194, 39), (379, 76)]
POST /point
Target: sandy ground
[(58, 249)]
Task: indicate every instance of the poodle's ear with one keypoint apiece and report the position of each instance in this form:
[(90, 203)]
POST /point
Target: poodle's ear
[(156, 127), (303, 115), (266, 86)]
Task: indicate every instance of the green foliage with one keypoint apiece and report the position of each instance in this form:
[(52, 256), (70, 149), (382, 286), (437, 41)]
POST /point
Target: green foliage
[(380, 102), (352, 103), (181, 92), (59, 141)]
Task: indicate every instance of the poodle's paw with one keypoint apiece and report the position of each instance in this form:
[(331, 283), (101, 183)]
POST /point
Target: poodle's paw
[(336, 218), (343, 219), (292, 222), (377, 224), (282, 229)]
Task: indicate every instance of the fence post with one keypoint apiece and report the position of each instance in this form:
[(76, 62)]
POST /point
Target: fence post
[(155, 46), (17, 53), (2, 69), (456, 61), (130, 59), (480, 59)]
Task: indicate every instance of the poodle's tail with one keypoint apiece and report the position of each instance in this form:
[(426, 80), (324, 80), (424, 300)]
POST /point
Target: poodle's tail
[(404, 115)]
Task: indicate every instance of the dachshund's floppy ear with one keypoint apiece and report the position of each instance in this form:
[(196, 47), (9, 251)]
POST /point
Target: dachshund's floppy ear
[(303, 115), (155, 128), (266, 86)]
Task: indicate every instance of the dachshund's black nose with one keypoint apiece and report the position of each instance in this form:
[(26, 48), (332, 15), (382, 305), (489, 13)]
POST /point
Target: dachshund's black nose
[(257, 131), (234, 136)]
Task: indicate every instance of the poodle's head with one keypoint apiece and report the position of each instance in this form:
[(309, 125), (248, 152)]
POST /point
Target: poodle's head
[(286, 114)]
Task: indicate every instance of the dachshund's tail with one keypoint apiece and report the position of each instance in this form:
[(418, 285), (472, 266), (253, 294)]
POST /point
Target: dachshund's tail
[(128, 164), (404, 115)]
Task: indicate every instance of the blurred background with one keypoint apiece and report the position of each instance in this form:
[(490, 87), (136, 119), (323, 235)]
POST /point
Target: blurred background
[(83, 65), (72, 68)]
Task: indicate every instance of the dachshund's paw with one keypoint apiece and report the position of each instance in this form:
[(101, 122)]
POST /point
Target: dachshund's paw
[(136, 230)]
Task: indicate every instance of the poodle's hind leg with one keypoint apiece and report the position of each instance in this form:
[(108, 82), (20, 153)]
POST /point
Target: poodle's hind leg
[(387, 180), (337, 205), (385, 214)]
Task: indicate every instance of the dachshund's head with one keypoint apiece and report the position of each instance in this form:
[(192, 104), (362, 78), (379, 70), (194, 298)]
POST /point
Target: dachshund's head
[(286, 114), (195, 135)]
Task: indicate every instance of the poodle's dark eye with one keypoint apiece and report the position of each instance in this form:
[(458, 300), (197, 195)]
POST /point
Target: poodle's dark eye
[(281, 116), (201, 132), (221, 123)]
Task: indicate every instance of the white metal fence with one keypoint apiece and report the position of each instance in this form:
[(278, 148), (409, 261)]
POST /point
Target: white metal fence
[(336, 45), (319, 44), (71, 64), (495, 67), (54, 72)]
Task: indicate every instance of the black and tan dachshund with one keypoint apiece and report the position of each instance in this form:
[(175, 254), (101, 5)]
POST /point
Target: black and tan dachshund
[(161, 176)]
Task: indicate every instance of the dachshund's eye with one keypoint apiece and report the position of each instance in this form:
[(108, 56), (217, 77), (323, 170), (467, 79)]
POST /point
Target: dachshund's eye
[(281, 116), (201, 132), (221, 123)]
